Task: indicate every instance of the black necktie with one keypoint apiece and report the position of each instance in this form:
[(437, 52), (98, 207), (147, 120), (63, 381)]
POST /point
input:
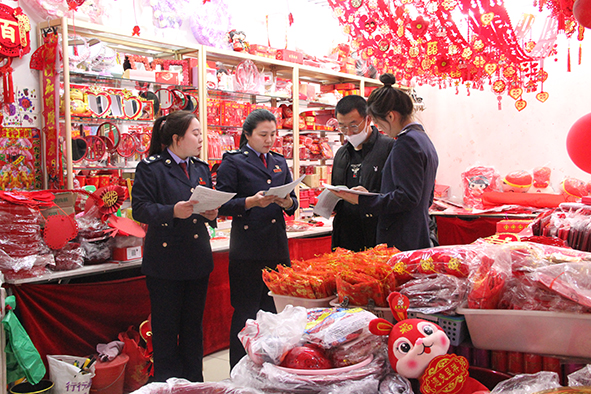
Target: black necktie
[(262, 156), (183, 165)]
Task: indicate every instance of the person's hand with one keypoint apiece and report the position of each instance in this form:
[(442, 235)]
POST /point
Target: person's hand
[(210, 215), (349, 197), (258, 200), (360, 189), (284, 203), (184, 209)]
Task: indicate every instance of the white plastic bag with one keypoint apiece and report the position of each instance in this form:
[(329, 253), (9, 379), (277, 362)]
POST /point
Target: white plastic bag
[(271, 335), (66, 377)]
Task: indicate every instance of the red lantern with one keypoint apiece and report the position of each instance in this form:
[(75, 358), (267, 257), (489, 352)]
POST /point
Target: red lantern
[(577, 142), (582, 12)]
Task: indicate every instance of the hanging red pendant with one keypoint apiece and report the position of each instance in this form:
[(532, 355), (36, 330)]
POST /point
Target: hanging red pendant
[(568, 60), (74, 4)]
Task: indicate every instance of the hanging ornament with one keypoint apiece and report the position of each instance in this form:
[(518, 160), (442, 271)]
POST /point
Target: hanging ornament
[(6, 74), (74, 4), (520, 105), (108, 199), (582, 12), (542, 96)]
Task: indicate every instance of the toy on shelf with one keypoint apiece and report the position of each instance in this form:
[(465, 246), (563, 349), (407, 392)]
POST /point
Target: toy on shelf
[(417, 349), (541, 181), (517, 182)]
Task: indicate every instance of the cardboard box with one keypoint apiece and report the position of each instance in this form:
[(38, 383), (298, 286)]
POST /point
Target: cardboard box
[(290, 56), (65, 205), (312, 180), (345, 86), (140, 75), (326, 88)]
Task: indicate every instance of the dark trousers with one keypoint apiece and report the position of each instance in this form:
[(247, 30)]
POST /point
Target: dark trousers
[(177, 329), (248, 294)]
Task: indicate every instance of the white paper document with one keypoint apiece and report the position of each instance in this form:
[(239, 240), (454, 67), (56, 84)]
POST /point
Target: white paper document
[(209, 199), (326, 203), (283, 190), (346, 189)]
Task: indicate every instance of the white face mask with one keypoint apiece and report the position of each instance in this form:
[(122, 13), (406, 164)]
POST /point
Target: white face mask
[(359, 138)]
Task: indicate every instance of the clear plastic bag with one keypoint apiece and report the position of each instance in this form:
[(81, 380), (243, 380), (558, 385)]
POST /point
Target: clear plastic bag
[(582, 377), (270, 336), (435, 293), (183, 386), (528, 383), (70, 257), (393, 383), (272, 378), (330, 327)]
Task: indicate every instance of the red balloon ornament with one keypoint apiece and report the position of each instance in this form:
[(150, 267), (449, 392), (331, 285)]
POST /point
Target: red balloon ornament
[(577, 142), (582, 12)]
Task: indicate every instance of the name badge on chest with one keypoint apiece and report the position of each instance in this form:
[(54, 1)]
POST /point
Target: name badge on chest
[(201, 181), (277, 169)]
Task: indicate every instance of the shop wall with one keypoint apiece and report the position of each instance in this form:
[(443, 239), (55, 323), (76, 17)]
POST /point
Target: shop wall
[(470, 130)]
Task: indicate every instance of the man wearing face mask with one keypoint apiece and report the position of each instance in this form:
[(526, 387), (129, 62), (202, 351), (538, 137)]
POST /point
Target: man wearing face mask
[(357, 163)]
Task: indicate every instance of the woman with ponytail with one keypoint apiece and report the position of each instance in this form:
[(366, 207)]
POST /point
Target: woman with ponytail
[(177, 257), (408, 179), (258, 238)]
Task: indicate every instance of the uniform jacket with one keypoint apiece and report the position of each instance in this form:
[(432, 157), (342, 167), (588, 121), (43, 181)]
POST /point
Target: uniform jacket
[(174, 248), (407, 189), (352, 229), (259, 233)]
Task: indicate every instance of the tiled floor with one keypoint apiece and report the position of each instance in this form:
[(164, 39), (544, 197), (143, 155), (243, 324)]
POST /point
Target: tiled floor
[(216, 366)]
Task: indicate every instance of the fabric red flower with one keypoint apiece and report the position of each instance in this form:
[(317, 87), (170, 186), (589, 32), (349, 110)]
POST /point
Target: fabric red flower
[(418, 27), (443, 64)]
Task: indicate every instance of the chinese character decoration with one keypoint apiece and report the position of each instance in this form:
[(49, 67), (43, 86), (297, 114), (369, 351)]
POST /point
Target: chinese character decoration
[(14, 42), (447, 43)]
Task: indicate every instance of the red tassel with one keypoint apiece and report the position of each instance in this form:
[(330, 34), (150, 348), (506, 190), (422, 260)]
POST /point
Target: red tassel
[(568, 61), (580, 54)]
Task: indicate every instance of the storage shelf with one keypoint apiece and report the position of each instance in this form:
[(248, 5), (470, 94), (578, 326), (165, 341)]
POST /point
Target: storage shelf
[(82, 77)]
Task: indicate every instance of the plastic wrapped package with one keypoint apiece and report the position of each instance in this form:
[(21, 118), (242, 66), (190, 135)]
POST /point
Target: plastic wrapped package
[(70, 257), (477, 180), (330, 327), (458, 260), (582, 377), (127, 241), (275, 379), (270, 336), (20, 231), (183, 386), (393, 383), (355, 351), (435, 293), (570, 280), (360, 289), (97, 250), (488, 281), (528, 383), (367, 385), (33, 272)]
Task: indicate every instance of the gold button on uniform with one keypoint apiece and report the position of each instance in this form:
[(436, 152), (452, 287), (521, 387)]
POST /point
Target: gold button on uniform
[(164, 224), (192, 189), (269, 181), (196, 236), (164, 244), (246, 227), (167, 161), (194, 220), (273, 221)]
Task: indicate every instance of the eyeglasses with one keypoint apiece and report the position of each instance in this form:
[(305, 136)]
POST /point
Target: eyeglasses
[(353, 128)]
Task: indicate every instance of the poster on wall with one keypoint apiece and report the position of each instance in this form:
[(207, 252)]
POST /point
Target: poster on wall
[(20, 158)]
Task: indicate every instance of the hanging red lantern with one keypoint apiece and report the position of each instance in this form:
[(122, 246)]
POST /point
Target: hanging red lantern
[(74, 4), (582, 12)]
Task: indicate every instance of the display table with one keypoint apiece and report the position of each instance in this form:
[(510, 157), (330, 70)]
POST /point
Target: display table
[(465, 229), (72, 319)]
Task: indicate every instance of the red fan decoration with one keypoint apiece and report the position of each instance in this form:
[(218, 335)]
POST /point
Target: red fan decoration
[(126, 226), (109, 199), (59, 229)]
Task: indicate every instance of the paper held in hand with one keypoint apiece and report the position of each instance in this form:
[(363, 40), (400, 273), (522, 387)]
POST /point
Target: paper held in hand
[(342, 188), (283, 190), (209, 199)]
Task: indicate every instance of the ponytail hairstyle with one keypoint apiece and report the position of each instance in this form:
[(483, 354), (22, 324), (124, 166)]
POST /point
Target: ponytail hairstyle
[(252, 121), (388, 98), (166, 126)]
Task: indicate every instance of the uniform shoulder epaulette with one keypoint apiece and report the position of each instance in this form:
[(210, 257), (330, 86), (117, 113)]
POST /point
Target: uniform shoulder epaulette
[(152, 159), (275, 153), (198, 160), (232, 152)]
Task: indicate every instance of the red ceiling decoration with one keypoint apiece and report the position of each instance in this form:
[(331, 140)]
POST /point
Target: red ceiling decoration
[(446, 43)]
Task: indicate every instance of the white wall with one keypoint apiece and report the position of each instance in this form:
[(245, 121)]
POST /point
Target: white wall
[(470, 130)]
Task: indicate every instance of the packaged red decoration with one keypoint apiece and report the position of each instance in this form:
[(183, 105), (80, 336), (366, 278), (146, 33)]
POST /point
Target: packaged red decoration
[(475, 181)]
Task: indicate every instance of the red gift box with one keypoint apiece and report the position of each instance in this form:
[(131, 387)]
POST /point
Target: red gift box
[(289, 56), (127, 254), (167, 77), (512, 226)]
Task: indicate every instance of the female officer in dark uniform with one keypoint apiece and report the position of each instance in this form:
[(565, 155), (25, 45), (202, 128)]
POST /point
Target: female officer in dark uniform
[(258, 238), (177, 254)]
